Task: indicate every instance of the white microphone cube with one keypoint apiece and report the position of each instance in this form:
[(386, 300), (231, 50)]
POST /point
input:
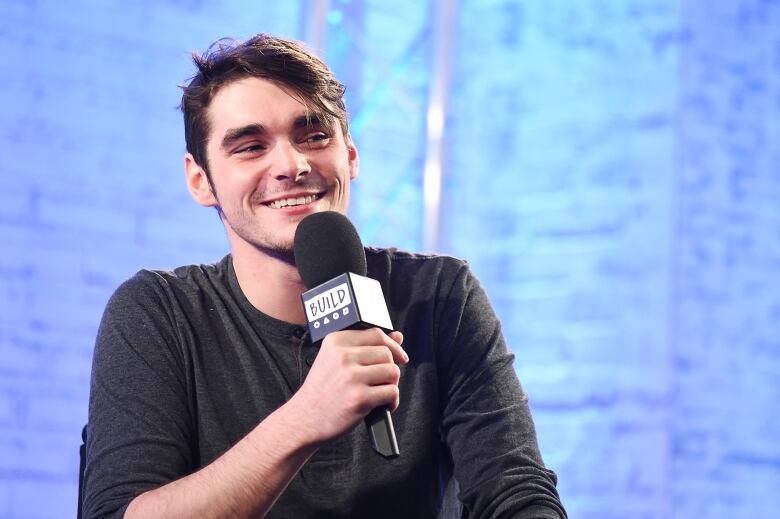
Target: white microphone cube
[(348, 300)]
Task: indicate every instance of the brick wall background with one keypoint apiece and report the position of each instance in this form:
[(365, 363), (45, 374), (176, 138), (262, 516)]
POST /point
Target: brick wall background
[(612, 174), (568, 142), (726, 292)]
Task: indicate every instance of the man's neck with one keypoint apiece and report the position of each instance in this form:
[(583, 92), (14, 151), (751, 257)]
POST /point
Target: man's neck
[(271, 284)]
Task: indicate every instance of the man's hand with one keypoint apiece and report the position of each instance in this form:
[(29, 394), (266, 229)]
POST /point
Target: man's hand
[(355, 371)]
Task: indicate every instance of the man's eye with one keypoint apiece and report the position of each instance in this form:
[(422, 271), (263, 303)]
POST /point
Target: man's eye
[(318, 139), (251, 148)]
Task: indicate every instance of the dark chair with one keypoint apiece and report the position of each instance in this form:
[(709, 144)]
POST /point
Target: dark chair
[(82, 466)]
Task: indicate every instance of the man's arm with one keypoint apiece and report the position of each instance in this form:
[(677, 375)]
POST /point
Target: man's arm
[(243, 482), (486, 420), (141, 432), (354, 373)]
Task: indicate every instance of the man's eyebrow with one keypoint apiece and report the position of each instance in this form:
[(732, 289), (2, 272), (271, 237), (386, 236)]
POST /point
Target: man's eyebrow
[(235, 134), (310, 120)]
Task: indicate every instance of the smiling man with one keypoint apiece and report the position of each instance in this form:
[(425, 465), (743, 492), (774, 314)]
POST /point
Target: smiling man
[(209, 400)]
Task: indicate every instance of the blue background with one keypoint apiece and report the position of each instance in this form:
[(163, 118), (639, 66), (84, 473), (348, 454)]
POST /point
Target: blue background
[(612, 173)]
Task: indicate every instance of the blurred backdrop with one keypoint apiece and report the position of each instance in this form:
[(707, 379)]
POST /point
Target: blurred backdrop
[(610, 168)]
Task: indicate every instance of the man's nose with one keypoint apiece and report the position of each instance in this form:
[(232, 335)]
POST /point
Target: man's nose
[(289, 162)]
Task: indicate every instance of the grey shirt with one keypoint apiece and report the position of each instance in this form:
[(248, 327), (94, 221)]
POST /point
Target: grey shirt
[(185, 366)]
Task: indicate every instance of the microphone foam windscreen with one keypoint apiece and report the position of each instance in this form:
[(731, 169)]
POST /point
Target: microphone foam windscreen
[(327, 245)]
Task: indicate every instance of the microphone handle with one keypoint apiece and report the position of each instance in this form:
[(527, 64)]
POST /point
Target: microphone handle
[(382, 433)]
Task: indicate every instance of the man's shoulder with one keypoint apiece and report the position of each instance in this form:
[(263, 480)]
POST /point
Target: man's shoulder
[(392, 257), (422, 274), (184, 279)]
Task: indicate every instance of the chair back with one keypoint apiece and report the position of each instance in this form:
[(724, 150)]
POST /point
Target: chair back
[(82, 466)]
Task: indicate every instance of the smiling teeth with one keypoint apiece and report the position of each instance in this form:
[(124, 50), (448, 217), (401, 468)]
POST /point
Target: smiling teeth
[(287, 202)]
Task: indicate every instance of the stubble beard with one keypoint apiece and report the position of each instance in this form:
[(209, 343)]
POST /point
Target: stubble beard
[(245, 227)]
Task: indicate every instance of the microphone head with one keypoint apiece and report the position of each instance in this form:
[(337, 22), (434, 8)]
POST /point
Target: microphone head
[(327, 245)]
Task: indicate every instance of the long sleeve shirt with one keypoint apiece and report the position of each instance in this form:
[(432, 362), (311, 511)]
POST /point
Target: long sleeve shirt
[(184, 367)]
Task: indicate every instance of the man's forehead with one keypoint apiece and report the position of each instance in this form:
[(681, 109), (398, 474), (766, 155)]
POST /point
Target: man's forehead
[(261, 102)]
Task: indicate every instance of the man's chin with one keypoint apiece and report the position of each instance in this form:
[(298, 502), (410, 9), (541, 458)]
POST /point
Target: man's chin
[(282, 252)]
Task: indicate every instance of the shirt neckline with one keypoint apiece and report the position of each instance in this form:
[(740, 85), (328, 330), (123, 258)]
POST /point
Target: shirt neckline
[(263, 320)]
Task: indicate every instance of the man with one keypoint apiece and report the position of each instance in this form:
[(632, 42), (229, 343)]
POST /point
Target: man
[(208, 399)]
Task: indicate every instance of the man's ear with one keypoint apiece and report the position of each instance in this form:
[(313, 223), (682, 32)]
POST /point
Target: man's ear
[(353, 158), (198, 183)]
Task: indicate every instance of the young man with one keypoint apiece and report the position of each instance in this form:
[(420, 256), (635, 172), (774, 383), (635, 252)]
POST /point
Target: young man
[(209, 400)]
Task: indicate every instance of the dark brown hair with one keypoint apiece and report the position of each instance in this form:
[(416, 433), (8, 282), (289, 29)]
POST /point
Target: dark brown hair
[(285, 62)]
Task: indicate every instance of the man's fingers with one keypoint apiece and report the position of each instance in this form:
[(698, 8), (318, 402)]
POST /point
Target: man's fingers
[(370, 337), (379, 374), (373, 355), (397, 337), (393, 341), (378, 396)]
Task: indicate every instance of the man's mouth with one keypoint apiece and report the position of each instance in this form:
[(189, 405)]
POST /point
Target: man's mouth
[(289, 202)]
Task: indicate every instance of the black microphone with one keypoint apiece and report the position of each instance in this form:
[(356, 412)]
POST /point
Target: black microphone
[(332, 265)]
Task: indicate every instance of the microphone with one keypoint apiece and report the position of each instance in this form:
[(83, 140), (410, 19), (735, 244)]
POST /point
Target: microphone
[(332, 264)]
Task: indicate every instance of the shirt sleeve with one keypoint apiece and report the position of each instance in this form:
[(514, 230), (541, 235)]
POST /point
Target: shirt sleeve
[(139, 431), (486, 420)]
